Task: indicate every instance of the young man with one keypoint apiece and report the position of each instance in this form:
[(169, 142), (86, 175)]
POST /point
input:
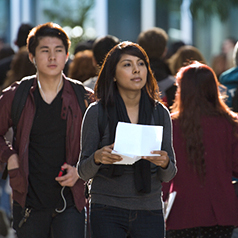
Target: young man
[(47, 140)]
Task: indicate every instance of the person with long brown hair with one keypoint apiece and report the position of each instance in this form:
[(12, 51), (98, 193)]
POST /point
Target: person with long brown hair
[(125, 199), (205, 137)]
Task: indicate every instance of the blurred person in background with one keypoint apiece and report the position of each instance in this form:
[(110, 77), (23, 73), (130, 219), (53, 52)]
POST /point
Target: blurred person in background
[(21, 66), (20, 41), (229, 79), (154, 42), (184, 55), (6, 51), (205, 137), (173, 48), (101, 47), (81, 67), (224, 60)]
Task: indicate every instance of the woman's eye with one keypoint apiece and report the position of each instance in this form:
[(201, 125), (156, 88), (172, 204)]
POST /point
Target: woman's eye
[(141, 63), (127, 64)]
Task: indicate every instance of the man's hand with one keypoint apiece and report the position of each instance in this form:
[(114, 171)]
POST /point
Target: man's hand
[(13, 162), (70, 178)]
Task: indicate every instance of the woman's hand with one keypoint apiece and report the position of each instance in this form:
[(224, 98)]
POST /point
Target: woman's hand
[(13, 162), (161, 160), (104, 155), (70, 178)]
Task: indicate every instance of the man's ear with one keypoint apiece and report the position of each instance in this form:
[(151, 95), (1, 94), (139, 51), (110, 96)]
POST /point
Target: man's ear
[(31, 58), (67, 57)]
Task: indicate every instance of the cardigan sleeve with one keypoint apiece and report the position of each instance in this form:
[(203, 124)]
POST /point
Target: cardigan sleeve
[(168, 173), (90, 138)]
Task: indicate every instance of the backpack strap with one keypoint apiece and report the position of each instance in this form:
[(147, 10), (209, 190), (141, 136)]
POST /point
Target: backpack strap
[(158, 114), (82, 95), (19, 100), (102, 119)]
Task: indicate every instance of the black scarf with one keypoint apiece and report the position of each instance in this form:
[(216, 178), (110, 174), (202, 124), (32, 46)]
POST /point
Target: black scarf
[(142, 171)]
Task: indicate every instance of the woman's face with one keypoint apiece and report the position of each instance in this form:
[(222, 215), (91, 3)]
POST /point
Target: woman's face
[(131, 73)]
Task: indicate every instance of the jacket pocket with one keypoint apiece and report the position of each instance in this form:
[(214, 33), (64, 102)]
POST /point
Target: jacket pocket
[(16, 180)]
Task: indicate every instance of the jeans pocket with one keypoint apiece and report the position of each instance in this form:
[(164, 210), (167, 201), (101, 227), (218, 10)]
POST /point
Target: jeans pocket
[(16, 180), (156, 212), (98, 207)]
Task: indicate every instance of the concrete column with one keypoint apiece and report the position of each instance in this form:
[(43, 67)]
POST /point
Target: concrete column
[(148, 13), (25, 10), (101, 17), (186, 22), (15, 21)]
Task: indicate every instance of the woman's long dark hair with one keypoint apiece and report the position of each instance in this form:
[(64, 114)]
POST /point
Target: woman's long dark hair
[(198, 95), (105, 86)]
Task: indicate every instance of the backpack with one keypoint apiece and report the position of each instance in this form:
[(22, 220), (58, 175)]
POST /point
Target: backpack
[(21, 95)]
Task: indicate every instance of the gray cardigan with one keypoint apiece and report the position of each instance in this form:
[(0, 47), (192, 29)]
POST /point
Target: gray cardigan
[(120, 191)]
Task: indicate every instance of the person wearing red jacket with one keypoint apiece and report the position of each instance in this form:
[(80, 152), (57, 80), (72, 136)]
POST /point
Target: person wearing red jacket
[(205, 137), (47, 141)]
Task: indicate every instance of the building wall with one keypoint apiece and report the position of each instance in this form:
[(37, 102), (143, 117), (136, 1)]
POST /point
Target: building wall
[(125, 19)]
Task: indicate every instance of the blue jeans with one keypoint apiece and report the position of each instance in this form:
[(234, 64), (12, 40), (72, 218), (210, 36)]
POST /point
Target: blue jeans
[(108, 222), (47, 223), (5, 197)]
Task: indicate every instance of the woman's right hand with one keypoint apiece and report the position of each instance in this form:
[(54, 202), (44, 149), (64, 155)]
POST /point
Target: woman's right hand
[(104, 155), (13, 162)]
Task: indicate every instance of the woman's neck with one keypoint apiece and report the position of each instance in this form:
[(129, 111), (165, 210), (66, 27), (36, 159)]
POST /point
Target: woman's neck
[(132, 102), (131, 99)]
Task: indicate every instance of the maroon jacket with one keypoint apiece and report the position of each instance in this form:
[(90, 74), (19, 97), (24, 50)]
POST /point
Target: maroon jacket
[(70, 111), (215, 202)]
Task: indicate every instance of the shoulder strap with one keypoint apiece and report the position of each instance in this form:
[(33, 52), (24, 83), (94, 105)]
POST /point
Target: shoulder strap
[(159, 115), (19, 100), (102, 119), (81, 94), (159, 118)]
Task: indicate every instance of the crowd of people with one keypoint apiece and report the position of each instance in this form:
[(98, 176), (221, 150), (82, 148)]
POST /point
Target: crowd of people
[(60, 174)]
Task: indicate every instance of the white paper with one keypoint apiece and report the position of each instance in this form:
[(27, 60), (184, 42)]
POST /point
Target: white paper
[(133, 141), (168, 204)]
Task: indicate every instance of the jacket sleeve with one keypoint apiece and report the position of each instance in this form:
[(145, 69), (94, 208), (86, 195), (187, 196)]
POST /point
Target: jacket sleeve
[(90, 138), (6, 149), (168, 173)]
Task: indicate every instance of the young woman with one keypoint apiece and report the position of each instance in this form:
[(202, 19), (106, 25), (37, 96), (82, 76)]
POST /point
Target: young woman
[(125, 199), (205, 136)]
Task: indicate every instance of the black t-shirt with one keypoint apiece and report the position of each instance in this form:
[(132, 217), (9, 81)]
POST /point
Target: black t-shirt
[(47, 154)]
